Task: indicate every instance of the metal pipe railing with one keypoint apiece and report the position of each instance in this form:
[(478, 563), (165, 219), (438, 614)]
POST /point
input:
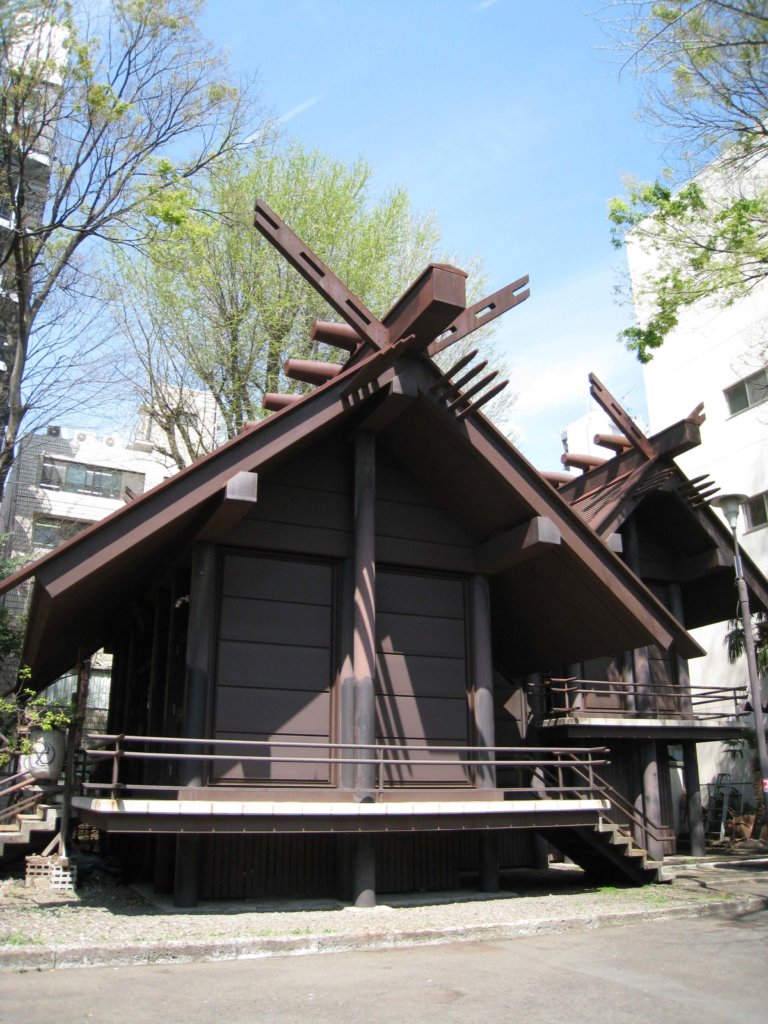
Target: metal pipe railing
[(17, 783), (616, 800), (566, 697), (385, 756)]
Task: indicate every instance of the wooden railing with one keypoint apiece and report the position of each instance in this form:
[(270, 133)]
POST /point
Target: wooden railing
[(582, 698)]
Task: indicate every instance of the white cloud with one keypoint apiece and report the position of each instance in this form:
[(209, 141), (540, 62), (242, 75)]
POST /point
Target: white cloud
[(300, 108)]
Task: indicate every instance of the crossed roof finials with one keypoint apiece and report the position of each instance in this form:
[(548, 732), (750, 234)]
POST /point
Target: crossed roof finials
[(430, 316)]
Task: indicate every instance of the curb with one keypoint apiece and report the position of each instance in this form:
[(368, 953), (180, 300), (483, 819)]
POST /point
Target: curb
[(42, 958)]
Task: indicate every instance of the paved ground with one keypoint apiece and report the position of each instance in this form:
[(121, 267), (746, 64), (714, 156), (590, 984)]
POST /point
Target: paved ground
[(710, 970), (112, 925)]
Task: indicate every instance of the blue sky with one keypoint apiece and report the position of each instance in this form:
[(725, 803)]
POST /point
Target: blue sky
[(507, 119)]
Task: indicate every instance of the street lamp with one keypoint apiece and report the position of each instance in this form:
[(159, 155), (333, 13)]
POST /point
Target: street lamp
[(730, 505)]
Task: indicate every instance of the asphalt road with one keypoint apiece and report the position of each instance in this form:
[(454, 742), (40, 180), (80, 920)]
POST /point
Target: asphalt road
[(687, 971)]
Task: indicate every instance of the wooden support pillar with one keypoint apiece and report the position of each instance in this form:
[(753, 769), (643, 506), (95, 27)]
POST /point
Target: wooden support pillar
[(693, 797), (539, 852), (165, 848), (651, 795), (118, 683), (641, 674), (681, 663), (537, 696), (175, 665), (158, 664), (347, 673), (636, 768), (489, 862), (639, 661), (627, 671), (200, 639), (187, 875), (364, 637), (364, 657), (482, 679), (364, 872), (74, 736)]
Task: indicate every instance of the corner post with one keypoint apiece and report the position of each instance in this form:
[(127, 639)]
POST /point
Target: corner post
[(484, 724), (482, 681), (200, 636), (693, 798), (202, 619), (364, 636), (364, 656), (651, 795)]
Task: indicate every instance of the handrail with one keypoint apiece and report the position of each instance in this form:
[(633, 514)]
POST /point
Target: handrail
[(328, 745), (5, 788), (382, 755), (19, 807), (686, 700), (639, 818), (16, 783)]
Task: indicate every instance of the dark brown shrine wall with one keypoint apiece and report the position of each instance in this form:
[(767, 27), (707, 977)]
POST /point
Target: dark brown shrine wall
[(281, 644)]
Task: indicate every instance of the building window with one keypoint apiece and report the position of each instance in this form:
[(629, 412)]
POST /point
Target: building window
[(79, 478), (6, 210), (756, 511), (50, 531), (748, 392)]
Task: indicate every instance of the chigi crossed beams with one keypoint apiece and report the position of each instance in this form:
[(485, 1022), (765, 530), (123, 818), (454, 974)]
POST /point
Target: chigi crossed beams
[(430, 316)]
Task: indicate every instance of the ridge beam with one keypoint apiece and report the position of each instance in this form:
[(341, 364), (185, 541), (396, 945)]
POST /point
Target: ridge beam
[(431, 303), (521, 543)]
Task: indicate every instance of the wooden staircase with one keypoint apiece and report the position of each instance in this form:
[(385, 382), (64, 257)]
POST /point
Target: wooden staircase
[(606, 851), (28, 821)]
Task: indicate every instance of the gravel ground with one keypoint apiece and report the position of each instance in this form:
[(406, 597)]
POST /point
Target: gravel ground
[(105, 912)]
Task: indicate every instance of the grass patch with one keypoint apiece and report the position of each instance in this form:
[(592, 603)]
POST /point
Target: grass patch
[(18, 939), (658, 899)]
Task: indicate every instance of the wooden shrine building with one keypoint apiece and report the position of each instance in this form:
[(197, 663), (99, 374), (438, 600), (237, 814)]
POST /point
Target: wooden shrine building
[(366, 646)]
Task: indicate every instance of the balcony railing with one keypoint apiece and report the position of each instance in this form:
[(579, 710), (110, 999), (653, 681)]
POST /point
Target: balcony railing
[(595, 698), (120, 764)]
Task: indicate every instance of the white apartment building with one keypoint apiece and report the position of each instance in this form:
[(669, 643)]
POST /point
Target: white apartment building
[(718, 356), (63, 480)]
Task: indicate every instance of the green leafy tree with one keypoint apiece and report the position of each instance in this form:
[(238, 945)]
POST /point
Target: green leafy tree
[(213, 306), (705, 66), (106, 111)]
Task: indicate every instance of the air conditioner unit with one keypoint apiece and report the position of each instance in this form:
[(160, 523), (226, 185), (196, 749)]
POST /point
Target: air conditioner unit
[(54, 431), (110, 441), (81, 436)]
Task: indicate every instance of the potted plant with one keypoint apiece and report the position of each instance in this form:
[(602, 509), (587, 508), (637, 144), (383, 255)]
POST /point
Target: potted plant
[(34, 729)]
